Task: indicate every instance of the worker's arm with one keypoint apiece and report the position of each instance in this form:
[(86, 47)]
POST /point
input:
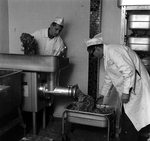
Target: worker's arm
[(105, 90), (125, 65)]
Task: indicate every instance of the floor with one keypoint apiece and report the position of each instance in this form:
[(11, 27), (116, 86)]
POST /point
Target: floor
[(53, 131), (73, 132)]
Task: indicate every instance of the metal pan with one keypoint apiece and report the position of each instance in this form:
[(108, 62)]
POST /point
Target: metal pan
[(139, 21), (88, 118), (133, 3), (139, 43)]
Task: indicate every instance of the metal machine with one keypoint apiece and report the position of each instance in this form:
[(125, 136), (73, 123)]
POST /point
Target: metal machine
[(40, 80), (135, 25)]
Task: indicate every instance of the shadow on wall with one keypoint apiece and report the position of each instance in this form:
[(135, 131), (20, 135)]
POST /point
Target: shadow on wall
[(65, 31), (65, 75)]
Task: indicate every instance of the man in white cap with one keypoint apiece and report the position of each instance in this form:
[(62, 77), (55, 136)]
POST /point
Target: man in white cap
[(50, 43), (48, 40), (126, 72)]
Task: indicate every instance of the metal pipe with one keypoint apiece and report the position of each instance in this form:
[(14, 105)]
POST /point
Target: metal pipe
[(51, 81), (69, 91)]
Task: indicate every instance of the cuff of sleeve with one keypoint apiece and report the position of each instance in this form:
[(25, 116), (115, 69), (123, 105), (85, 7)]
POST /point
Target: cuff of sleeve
[(126, 91)]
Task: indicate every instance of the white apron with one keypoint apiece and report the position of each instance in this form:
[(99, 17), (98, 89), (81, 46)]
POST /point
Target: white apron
[(120, 64)]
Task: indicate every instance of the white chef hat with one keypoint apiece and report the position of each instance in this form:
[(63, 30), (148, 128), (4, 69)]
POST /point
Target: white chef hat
[(97, 39), (59, 21)]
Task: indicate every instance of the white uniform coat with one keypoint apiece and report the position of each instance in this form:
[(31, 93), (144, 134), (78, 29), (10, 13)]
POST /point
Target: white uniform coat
[(47, 46), (120, 64)]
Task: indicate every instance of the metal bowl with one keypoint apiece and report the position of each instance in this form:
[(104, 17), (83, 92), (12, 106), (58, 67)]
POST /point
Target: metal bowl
[(105, 109)]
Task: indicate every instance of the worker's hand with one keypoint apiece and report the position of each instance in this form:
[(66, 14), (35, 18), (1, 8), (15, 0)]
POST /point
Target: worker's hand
[(100, 100), (125, 98)]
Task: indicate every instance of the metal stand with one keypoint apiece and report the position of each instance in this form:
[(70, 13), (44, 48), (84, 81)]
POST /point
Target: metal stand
[(34, 119), (77, 119)]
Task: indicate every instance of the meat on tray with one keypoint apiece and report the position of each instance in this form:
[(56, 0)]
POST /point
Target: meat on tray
[(86, 103)]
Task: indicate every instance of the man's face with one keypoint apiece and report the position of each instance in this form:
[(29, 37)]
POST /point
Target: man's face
[(98, 51), (55, 30)]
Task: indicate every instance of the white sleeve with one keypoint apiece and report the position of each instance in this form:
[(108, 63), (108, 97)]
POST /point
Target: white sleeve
[(107, 86), (59, 47), (126, 67)]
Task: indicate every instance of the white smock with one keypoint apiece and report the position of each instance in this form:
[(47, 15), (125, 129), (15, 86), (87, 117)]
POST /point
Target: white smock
[(125, 70), (47, 46)]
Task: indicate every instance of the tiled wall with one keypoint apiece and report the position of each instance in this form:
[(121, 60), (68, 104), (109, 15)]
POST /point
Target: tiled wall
[(95, 28)]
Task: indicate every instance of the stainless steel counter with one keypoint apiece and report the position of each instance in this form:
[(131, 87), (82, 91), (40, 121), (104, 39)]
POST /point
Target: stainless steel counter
[(37, 63)]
